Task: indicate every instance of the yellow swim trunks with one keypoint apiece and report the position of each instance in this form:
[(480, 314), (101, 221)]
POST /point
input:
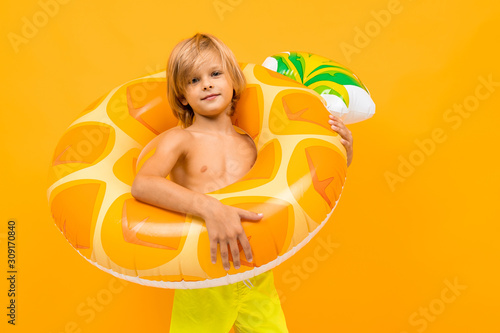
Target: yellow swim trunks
[(252, 305)]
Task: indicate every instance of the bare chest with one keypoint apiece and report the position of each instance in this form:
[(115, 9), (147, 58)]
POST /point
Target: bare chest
[(212, 163)]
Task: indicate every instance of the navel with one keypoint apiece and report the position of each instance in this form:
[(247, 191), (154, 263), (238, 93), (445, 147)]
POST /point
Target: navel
[(203, 168)]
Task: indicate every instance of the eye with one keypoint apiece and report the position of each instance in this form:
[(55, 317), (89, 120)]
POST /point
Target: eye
[(193, 80), (216, 73)]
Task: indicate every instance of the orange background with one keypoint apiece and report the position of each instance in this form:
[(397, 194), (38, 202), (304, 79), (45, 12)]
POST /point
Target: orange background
[(398, 245)]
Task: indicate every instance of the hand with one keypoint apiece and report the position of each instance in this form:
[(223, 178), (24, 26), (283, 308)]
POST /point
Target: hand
[(224, 228), (346, 136)]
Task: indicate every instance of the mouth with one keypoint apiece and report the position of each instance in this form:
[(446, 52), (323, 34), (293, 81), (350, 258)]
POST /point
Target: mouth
[(210, 97)]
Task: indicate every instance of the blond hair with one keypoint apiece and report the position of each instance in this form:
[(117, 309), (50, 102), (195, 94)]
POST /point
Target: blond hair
[(187, 57)]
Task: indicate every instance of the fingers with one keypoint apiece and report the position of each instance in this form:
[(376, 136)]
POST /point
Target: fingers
[(249, 216), (224, 255), (235, 253), (228, 233), (213, 251), (345, 135), (338, 126), (247, 249)]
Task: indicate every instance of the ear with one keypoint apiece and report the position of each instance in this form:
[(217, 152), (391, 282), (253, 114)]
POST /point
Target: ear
[(183, 101)]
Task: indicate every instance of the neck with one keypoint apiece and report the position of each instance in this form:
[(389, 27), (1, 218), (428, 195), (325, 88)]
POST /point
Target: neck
[(220, 124)]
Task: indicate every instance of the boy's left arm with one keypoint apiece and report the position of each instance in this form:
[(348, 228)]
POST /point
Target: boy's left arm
[(346, 136)]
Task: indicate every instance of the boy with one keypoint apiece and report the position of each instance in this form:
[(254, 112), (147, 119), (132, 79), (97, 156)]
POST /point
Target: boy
[(204, 84)]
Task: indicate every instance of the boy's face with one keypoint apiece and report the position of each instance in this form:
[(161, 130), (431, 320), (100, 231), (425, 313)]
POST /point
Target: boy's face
[(209, 89)]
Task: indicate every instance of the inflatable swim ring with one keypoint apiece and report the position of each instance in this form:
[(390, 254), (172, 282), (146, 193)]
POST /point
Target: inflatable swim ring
[(345, 95), (296, 182)]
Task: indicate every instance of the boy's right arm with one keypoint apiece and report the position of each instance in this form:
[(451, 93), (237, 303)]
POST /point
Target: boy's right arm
[(151, 186), (223, 222)]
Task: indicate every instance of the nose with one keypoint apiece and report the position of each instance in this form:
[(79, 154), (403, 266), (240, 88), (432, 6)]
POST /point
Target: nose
[(207, 84)]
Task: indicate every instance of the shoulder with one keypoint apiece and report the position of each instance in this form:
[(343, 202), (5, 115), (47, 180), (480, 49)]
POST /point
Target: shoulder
[(248, 141), (245, 137), (174, 138)]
